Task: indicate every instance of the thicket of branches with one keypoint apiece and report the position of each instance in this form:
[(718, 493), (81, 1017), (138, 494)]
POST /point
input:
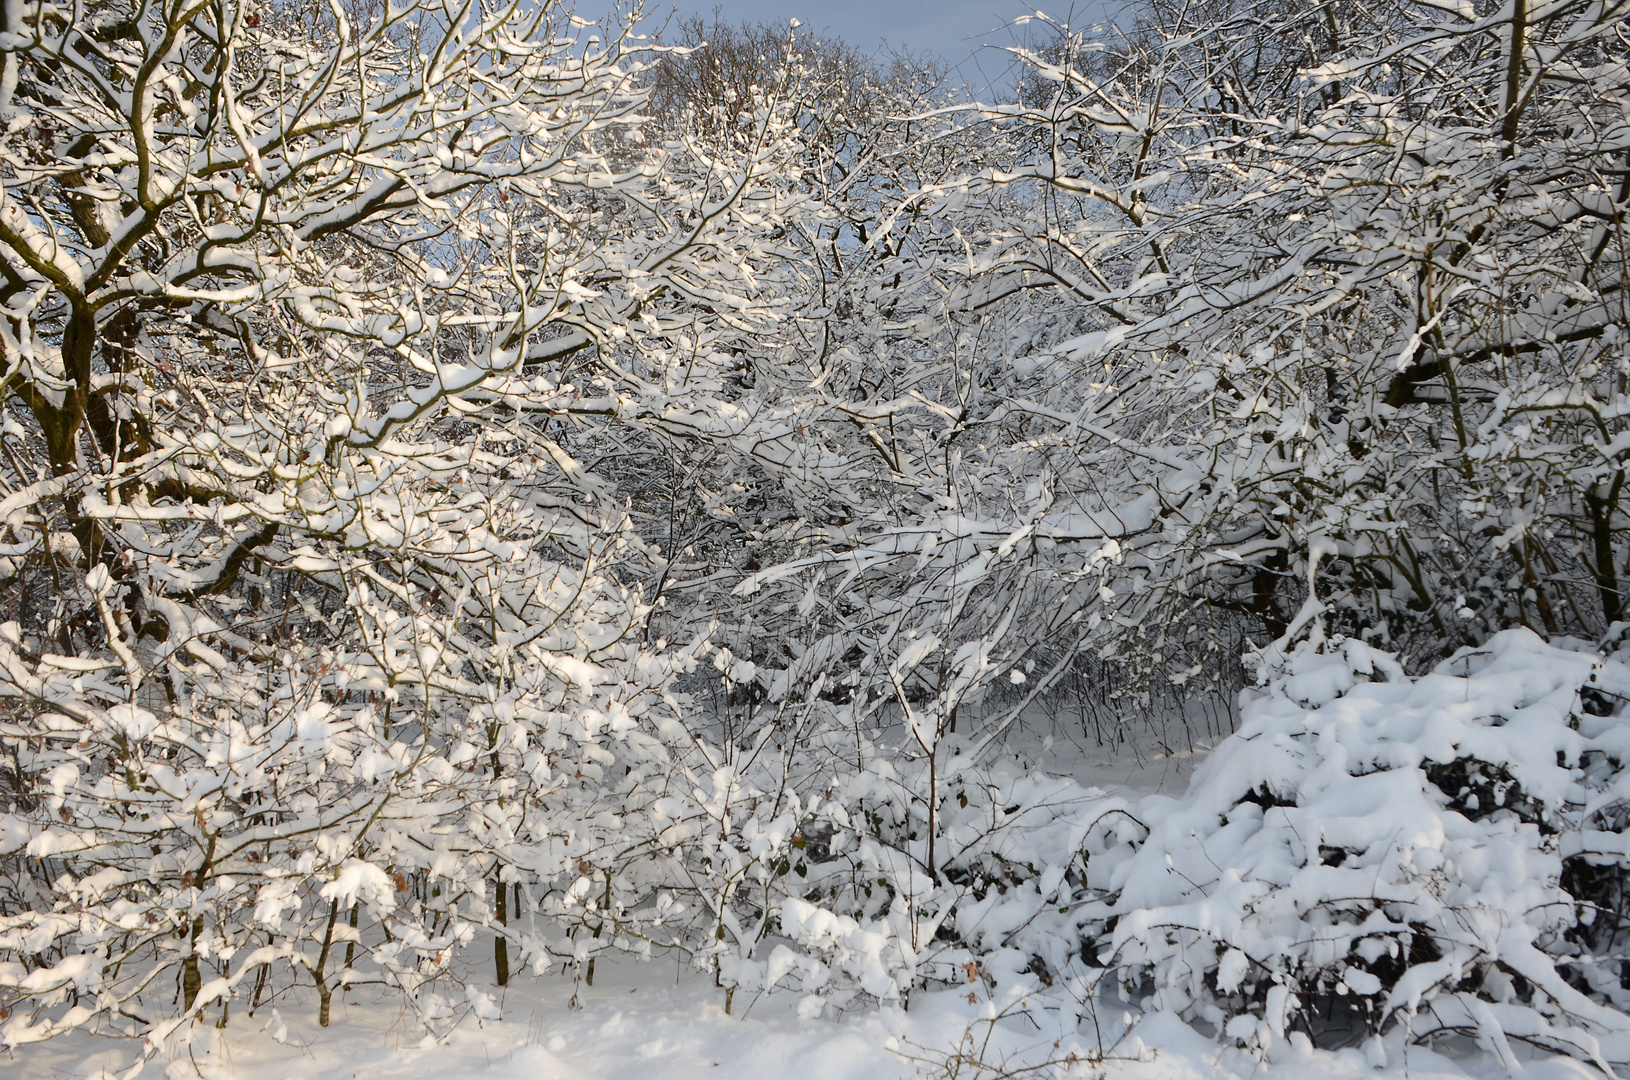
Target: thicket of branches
[(472, 476)]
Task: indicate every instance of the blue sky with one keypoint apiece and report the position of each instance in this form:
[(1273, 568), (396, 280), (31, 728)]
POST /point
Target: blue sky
[(955, 29)]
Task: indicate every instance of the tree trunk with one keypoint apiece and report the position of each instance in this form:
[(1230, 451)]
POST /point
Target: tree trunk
[(325, 993), (500, 944)]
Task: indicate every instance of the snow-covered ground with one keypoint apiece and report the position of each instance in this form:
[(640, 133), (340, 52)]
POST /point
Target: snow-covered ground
[(657, 1021)]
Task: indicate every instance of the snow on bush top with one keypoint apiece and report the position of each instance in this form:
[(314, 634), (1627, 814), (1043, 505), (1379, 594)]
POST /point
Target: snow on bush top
[(1397, 849)]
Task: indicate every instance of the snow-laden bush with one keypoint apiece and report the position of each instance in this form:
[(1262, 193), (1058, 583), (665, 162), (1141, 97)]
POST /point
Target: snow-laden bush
[(1021, 864), (1444, 852)]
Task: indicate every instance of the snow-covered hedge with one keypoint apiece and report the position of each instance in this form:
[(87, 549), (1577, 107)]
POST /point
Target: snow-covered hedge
[(1445, 852)]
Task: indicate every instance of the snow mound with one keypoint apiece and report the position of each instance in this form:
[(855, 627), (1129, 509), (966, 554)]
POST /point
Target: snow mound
[(1444, 852)]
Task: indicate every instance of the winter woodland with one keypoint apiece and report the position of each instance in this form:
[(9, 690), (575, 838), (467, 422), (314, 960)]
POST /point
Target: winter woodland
[(482, 491)]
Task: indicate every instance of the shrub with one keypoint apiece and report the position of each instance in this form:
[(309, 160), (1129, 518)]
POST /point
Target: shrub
[(1444, 852)]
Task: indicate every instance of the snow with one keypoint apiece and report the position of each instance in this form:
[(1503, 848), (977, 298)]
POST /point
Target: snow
[(656, 1021), (1230, 880), (637, 1021), (364, 625), (1223, 877)]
